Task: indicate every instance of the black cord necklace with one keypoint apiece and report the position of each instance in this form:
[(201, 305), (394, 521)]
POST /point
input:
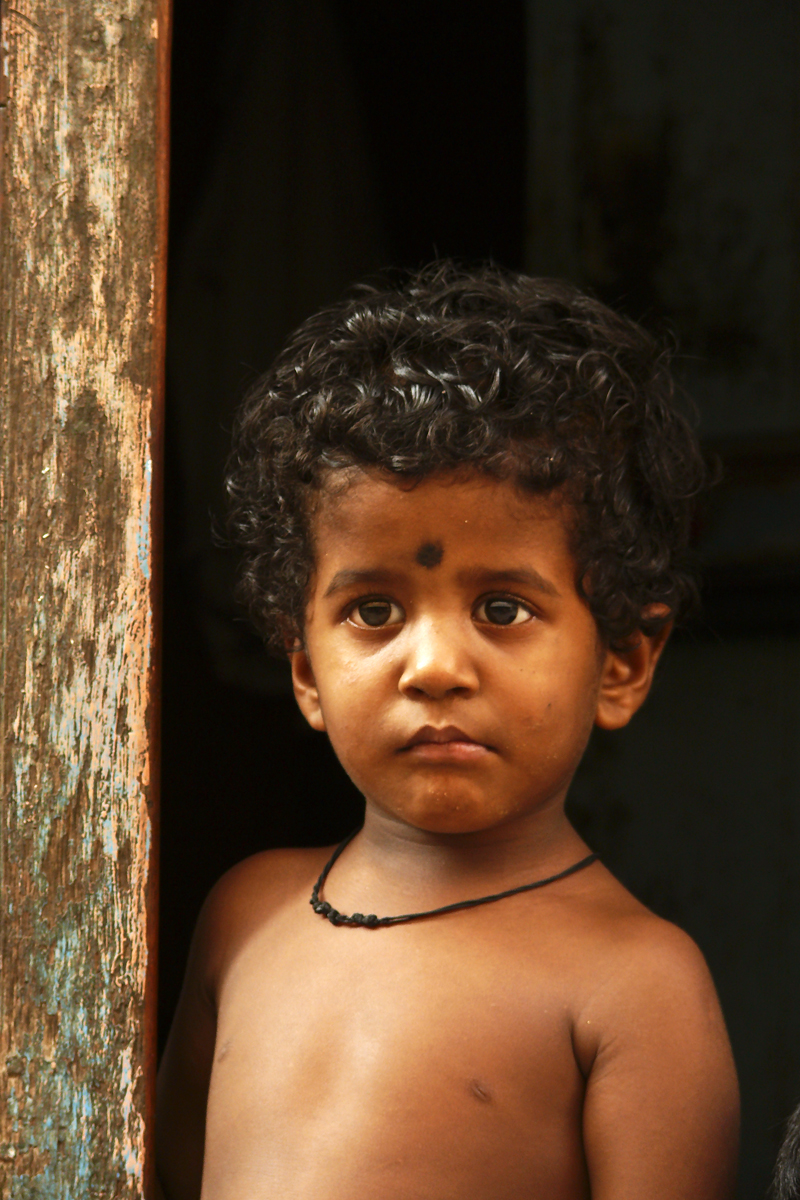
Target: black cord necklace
[(372, 922)]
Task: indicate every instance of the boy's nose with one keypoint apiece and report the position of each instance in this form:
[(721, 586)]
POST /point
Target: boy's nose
[(437, 663)]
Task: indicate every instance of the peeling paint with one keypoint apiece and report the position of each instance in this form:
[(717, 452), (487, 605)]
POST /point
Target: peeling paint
[(81, 255)]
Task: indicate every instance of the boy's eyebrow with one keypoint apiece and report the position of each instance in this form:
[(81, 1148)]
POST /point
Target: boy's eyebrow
[(526, 576), (349, 576)]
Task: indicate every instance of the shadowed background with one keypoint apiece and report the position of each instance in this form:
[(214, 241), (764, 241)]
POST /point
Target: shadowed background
[(648, 152)]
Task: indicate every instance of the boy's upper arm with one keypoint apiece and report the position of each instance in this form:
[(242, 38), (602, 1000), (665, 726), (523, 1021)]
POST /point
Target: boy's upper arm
[(661, 1110), (184, 1075), (185, 1071)]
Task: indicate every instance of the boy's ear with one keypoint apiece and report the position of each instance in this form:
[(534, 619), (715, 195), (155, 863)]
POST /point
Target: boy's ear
[(305, 687), (627, 674)]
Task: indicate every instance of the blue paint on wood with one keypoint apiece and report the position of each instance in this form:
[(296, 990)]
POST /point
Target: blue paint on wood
[(79, 232)]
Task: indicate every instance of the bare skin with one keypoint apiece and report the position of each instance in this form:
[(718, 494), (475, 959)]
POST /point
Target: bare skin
[(559, 1044)]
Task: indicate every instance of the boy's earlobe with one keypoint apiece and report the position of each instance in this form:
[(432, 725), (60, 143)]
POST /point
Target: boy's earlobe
[(305, 687), (627, 674)]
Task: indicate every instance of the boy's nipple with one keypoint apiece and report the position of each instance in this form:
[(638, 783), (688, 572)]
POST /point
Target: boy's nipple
[(480, 1091), (430, 554)]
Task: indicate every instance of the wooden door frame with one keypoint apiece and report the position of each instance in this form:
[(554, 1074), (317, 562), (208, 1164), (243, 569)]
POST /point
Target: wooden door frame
[(83, 188)]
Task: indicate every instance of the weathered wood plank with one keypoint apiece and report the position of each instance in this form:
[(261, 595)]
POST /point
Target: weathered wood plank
[(81, 349)]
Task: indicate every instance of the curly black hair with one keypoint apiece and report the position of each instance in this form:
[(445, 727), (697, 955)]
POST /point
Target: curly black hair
[(786, 1181), (519, 378)]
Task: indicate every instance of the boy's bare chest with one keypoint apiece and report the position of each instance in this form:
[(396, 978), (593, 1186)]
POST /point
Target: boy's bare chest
[(344, 1049)]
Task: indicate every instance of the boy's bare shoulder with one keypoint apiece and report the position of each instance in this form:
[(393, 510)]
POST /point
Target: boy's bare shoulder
[(264, 877), (630, 939), (640, 970), (247, 896)]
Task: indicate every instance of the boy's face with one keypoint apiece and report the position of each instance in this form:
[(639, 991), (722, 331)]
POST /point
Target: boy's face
[(448, 655)]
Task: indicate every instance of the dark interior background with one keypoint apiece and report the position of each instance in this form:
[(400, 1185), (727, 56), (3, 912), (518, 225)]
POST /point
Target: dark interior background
[(647, 152)]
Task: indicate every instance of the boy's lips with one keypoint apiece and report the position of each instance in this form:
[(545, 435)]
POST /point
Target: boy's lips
[(447, 744)]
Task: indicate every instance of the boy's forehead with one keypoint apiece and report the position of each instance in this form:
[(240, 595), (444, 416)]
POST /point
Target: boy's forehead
[(428, 513)]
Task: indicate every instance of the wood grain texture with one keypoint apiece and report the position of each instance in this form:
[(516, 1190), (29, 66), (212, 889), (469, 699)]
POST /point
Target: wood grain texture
[(81, 350)]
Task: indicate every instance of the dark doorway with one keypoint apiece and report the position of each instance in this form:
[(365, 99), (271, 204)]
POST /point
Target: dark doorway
[(312, 143), (647, 153)]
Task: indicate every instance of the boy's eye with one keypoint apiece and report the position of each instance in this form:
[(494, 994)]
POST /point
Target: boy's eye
[(374, 613), (503, 610)]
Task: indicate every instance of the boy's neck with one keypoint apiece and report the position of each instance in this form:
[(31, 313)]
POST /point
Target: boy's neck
[(403, 856)]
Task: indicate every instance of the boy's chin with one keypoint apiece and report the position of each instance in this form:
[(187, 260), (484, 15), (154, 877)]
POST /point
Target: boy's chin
[(445, 816)]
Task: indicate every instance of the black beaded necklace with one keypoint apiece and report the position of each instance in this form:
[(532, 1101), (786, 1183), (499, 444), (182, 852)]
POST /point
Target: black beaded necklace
[(372, 922)]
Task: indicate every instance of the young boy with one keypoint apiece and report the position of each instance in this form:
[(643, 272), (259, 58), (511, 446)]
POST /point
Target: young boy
[(464, 504)]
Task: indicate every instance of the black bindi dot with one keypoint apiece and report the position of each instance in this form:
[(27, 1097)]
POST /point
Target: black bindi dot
[(430, 554)]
